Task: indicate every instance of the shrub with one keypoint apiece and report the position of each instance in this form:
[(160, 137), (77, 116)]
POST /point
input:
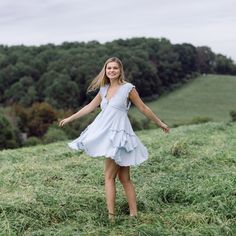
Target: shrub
[(199, 120), (7, 135), (32, 141), (54, 134), (20, 114), (76, 127), (41, 116), (233, 115), (147, 124), (136, 124), (194, 120)]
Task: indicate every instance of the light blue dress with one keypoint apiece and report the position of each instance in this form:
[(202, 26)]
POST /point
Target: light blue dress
[(111, 134)]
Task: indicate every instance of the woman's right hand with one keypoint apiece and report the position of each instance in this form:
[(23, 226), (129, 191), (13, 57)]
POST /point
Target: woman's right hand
[(64, 121), (164, 127)]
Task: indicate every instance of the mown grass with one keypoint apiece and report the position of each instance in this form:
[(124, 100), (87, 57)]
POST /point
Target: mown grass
[(187, 187), (211, 96)]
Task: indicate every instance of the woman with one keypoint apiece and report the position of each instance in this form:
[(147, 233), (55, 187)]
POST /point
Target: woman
[(111, 134)]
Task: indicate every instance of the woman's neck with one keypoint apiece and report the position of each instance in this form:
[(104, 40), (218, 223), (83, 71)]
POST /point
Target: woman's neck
[(114, 83)]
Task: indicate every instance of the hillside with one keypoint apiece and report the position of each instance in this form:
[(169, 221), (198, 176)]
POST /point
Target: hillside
[(211, 96), (187, 187)]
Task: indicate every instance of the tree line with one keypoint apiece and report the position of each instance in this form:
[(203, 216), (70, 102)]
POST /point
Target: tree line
[(41, 84), (60, 74)]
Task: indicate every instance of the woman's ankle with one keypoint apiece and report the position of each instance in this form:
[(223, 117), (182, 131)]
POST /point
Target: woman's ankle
[(111, 217)]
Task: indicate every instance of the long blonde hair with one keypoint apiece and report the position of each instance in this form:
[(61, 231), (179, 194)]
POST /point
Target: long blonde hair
[(101, 79)]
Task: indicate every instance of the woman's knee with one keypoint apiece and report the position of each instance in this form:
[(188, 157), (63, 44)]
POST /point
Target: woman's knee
[(124, 175), (111, 170), (124, 180), (110, 176)]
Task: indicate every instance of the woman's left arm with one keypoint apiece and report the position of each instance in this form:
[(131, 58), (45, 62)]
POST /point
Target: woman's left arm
[(143, 108)]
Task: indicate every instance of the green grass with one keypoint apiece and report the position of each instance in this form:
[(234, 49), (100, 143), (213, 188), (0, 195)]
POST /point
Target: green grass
[(187, 187), (211, 96)]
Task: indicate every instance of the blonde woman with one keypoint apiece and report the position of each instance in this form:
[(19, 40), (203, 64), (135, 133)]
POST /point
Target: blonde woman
[(111, 134)]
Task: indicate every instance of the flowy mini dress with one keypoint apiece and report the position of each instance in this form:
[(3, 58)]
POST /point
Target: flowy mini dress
[(110, 134)]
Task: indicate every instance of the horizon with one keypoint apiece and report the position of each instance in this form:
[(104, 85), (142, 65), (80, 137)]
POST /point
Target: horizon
[(59, 44), (202, 23)]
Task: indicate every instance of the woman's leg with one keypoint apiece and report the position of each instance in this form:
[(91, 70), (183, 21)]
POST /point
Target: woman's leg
[(111, 170), (124, 177)]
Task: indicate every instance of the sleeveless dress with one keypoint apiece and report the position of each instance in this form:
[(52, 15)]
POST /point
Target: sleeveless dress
[(111, 134)]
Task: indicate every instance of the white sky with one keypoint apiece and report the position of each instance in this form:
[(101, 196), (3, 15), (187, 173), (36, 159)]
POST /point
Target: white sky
[(201, 22)]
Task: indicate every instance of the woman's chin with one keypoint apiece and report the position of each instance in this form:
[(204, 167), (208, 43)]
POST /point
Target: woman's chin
[(113, 78)]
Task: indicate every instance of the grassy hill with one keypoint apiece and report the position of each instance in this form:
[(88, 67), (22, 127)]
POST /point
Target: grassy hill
[(187, 187), (211, 96)]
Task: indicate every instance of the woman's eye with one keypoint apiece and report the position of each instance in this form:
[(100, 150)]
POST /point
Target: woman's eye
[(114, 68)]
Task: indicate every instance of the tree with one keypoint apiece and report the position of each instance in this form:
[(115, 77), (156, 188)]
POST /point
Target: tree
[(40, 116), (62, 93), (205, 59), (7, 137), (60, 74), (224, 65), (187, 55)]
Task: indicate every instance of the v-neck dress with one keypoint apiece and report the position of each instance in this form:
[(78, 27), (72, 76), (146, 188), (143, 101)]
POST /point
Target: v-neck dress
[(111, 134)]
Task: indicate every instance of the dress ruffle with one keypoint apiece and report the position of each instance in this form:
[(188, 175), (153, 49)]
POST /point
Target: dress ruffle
[(122, 139), (122, 134), (127, 94)]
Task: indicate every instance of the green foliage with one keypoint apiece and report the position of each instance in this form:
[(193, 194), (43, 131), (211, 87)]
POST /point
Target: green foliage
[(188, 57), (224, 65), (40, 117), (21, 115), (32, 141), (7, 136), (60, 74), (183, 106), (199, 120), (136, 124), (233, 115), (194, 120), (54, 134), (62, 92), (187, 187), (205, 60), (74, 129)]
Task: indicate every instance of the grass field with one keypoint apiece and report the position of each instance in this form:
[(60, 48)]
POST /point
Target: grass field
[(211, 96), (187, 187)]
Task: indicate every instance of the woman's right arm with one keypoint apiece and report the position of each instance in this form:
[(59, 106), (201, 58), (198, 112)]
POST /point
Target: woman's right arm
[(84, 111)]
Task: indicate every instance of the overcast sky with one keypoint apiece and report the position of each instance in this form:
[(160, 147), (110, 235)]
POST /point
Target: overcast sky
[(200, 22)]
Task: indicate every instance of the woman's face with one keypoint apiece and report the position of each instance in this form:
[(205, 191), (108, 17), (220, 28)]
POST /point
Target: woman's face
[(112, 70)]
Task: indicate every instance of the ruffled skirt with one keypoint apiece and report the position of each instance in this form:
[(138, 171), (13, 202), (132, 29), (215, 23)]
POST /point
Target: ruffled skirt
[(113, 137)]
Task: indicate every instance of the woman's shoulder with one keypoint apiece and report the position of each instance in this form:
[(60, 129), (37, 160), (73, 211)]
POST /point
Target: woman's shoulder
[(128, 84), (104, 86), (102, 89)]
